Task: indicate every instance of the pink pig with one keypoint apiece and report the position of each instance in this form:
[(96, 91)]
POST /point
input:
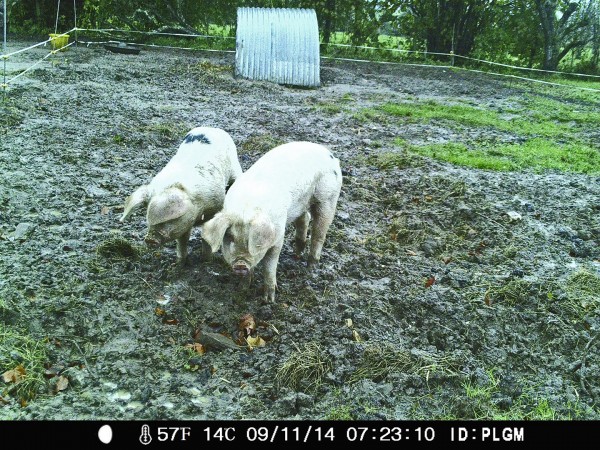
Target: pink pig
[(291, 183)]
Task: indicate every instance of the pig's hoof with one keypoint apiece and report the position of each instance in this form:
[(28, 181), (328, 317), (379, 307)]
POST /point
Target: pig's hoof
[(178, 264), (312, 263), (269, 295), (299, 247)]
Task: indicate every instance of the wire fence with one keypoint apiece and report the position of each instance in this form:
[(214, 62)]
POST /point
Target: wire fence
[(329, 51), (6, 56)]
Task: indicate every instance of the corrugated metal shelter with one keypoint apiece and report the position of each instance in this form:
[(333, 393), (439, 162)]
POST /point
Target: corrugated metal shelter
[(279, 45)]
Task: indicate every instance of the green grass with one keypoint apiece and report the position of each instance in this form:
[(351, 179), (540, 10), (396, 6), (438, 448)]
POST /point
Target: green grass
[(431, 110), (19, 351), (535, 154), (329, 108), (537, 124), (341, 412), (545, 109), (527, 406), (550, 128)]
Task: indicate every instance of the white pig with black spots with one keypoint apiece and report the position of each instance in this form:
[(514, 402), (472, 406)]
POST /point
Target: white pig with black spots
[(189, 190)]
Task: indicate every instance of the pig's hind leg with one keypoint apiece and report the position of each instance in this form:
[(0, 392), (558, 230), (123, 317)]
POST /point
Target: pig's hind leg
[(323, 212), (301, 224)]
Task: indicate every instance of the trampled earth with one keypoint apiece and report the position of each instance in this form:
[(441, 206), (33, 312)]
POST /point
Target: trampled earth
[(443, 291)]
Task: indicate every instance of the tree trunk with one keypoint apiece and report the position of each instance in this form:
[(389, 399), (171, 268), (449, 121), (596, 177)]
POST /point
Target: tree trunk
[(547, 11), (328, 22), (595, 43)]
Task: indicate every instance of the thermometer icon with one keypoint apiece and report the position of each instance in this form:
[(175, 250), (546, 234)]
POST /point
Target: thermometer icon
[(145, 437)]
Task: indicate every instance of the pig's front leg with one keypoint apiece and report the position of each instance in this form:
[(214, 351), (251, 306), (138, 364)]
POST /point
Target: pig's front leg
[(182, 247), (270, 271)]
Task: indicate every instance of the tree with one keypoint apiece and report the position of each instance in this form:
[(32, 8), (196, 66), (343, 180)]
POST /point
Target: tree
[(565, 27), (445, 25)]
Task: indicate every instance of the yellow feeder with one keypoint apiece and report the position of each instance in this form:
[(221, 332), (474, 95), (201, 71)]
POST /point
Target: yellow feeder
[(59, 41)]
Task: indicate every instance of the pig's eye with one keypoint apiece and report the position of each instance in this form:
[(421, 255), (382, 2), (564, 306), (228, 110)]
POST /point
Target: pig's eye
[(228, 235)]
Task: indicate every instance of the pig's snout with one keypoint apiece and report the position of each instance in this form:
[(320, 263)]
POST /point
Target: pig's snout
[(241, 269), (151, 242)]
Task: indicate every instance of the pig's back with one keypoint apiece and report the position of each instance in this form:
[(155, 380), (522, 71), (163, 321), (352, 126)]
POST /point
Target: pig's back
[(292, 163), (208, 144), (205, 156), (285, 178)]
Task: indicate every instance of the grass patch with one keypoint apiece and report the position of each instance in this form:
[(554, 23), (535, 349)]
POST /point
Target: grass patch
[(583, 293), (369, 115), (381, 360), (10, 116), (342, 412), (258, 144), (550, 109), (536, 154), (304, 369), (400, 232), (117, 248), (26, 357), (547, 118), (514, 292), (394, 160), (209, 70), (465, 114), (167, 130), (481, 402), (329, 108)]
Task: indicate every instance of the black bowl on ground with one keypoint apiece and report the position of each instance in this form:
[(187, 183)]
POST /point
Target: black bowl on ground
[(122, 48)]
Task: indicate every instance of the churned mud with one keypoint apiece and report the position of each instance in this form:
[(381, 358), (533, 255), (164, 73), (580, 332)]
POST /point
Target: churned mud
[(443, 291)]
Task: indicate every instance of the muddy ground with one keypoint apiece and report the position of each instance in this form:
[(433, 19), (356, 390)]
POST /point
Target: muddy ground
[(443, 291)]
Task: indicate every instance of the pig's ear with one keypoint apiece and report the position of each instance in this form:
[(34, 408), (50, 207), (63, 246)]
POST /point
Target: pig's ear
[(262, 233), (140, 196), (214, 230), (168, 205)]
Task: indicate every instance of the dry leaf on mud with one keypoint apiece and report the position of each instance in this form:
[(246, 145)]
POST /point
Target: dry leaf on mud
[(411, 253), (14, 375), (430, 281), (247, 324), (62, 383), (356, 336), (197, 347), (255, 342), (159, 311), (105, 210)]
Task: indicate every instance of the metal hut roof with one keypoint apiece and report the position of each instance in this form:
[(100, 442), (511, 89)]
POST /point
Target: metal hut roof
[(279, 45)]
